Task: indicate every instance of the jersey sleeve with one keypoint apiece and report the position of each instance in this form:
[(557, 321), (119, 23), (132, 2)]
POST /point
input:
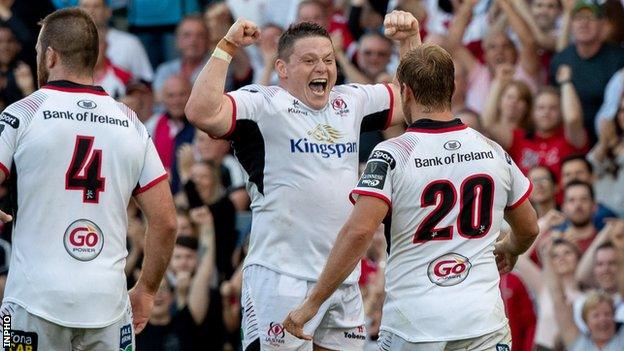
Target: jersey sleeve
[(153, 171), (375, 103), (248, 103), (376, 180), (520, 188), (13, 122)]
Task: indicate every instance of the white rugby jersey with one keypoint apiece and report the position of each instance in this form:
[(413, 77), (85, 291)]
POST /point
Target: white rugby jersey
[(74, 157), (301, 163), (448, 187)]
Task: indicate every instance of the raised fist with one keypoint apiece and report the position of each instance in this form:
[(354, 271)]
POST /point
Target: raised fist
[(400, 25), (243, 33)]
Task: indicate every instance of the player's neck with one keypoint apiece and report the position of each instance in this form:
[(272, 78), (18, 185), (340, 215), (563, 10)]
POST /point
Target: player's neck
[(79, 79), (422, 113)]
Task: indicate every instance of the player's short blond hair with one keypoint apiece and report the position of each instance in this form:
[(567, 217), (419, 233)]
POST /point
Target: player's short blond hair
[(429, 72)]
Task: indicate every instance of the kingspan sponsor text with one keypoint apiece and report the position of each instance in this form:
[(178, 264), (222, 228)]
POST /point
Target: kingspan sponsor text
[(302, 145)]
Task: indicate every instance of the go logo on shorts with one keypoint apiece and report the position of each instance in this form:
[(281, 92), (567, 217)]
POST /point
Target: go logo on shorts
[(83, 240)]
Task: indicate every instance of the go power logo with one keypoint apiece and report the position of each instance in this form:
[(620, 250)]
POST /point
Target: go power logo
[(83, 240), (449, 269)]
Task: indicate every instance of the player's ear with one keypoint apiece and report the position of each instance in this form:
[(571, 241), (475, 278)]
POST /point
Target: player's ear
[(51, 57), (280, 68)]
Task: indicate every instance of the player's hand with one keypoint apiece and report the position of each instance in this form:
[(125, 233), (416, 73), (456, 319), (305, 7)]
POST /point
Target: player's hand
[(5, 217), (297, 318), (243, 33), (400, 25), (505, 260), (186, 160), (142, 302)]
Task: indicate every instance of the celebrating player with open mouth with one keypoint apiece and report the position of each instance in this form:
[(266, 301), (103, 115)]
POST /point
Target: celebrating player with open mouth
[(299, 143), (446, 188)]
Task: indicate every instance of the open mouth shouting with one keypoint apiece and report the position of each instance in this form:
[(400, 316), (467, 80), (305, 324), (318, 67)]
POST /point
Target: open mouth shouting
[(318, 86)]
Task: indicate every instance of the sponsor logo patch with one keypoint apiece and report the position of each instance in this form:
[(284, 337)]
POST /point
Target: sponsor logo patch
[(87, 104), (83, 240), (449, 269), (23, 341), (383, 156), (374, 175), (125, 338), (358, 333), (502, 347), (326, 135), (340, 106), (275, 334), (452, 145), (9, 119)]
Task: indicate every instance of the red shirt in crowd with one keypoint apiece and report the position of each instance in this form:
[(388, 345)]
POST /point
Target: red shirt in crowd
[(530, 150), (519, 310)]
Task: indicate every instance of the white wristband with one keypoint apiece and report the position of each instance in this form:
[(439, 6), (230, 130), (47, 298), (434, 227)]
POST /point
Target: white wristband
[(221, 54)]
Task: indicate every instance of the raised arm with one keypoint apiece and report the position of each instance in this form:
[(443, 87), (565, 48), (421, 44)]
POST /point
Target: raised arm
[(544, 40), (199, 292), (566, 19), (401, 27), (571, 109), (529, 59), (490, 119), (456, 34), (585, 266), (208, 108), (156, 204), (563, 310), (352, 242)]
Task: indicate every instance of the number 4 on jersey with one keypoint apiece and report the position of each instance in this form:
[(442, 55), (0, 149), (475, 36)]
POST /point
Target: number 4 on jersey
[(84, 171)]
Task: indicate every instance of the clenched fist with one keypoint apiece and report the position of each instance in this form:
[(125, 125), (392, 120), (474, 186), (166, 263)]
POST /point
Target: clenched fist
[(400, 25), (243, 33)]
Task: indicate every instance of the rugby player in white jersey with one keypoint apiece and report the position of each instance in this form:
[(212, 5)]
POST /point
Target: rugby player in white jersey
[(445, 189), (299, 144), (74, 158)]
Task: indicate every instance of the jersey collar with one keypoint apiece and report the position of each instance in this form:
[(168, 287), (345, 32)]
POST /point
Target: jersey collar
[(71, 87), (431, 126)]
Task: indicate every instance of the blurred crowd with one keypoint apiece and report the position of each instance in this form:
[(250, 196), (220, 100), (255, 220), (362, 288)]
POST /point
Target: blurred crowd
[(543, 78)]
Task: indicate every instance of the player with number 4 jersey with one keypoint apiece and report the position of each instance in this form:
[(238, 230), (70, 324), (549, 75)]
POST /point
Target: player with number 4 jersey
[(443, 189), (74, 158)]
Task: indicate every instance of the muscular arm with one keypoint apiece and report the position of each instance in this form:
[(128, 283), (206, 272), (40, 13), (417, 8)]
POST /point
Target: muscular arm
[(207, 108), (157, 205), (524, 229)]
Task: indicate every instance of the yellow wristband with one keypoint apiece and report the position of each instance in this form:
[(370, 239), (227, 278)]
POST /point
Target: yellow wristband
[(221, 54)]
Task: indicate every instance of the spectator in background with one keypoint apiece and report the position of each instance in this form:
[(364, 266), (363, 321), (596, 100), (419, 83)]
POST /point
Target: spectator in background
[(598, 313), (373, 55), (18, 25), (192, 44), (600, 268), (124, 50), (544, 190), (192, 41), (267, 46), (108, 75), (607, 157), (592, 60), (612, 97), (320, 12), (578, 207), (16, 78), (217, 152), (171, 129), (155, 24), (469, 118), (162, 331), (557, 130), (498, 49), (577, 167), (564, 256), (366, 16), (519, 310), (508, 107), (140, 99)]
